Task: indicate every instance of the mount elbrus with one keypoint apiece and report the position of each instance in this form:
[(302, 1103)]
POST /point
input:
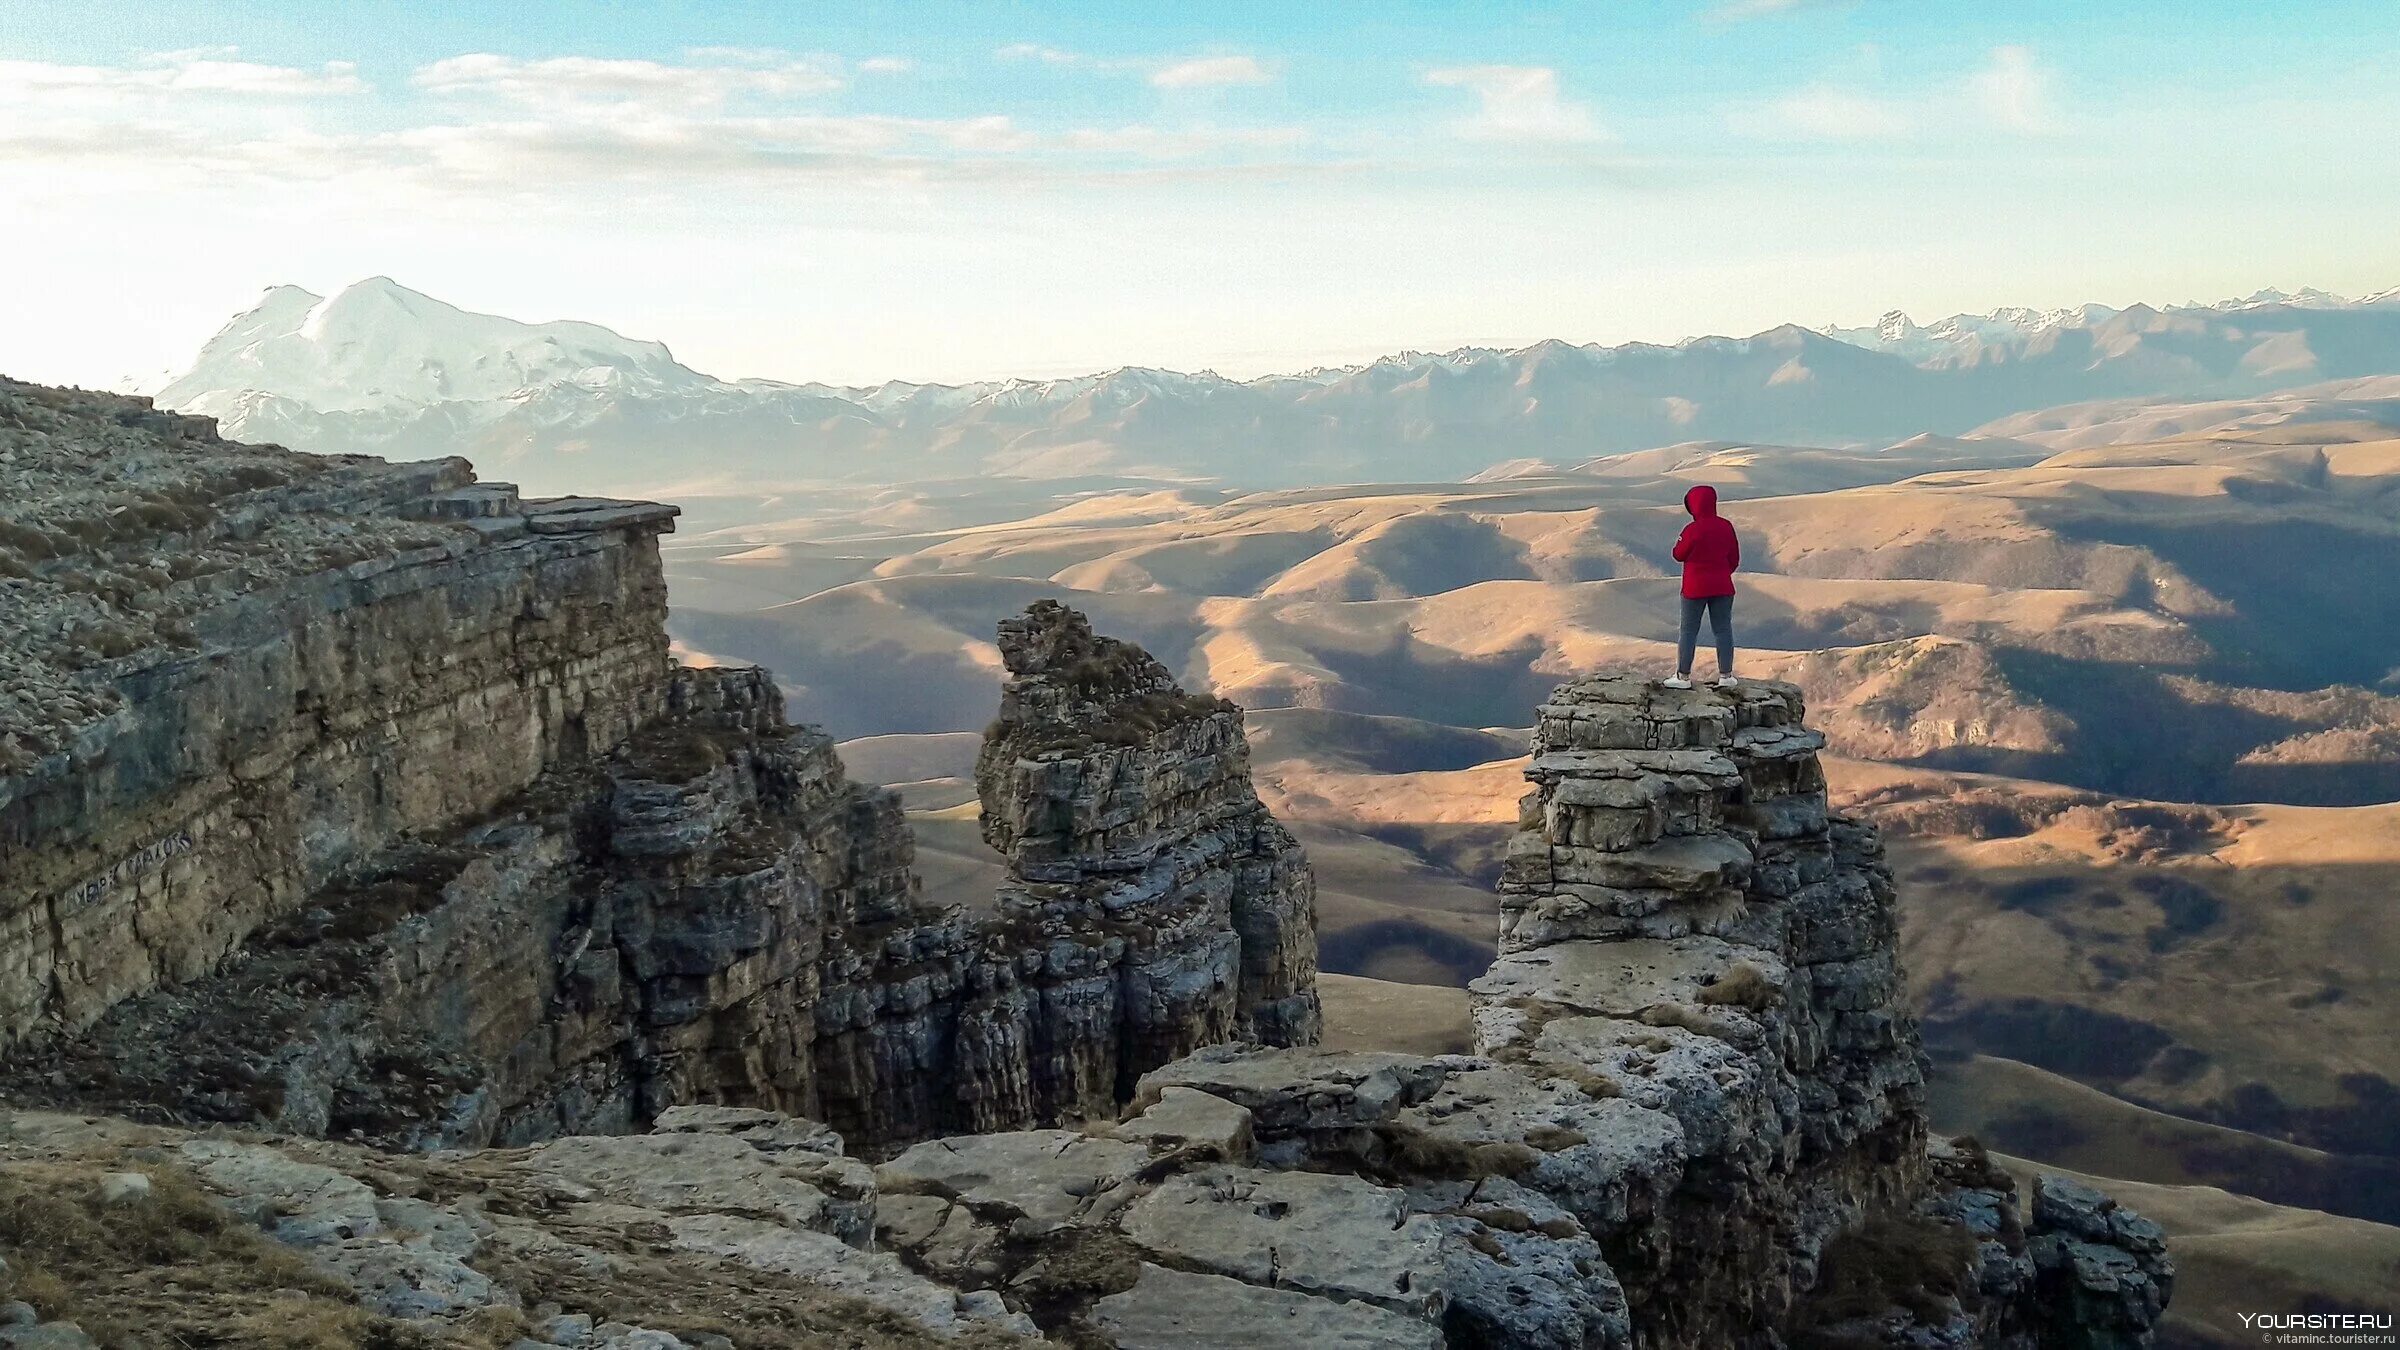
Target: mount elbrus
[(390, 906)]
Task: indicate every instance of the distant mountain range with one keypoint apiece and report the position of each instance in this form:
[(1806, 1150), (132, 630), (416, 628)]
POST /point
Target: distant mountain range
[(382, 369)]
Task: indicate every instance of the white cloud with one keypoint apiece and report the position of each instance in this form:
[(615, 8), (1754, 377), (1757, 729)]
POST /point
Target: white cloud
[(707, 77), (1826, 113), (863, 149), (2014, 92), (2009, 92), (1034, 51), (887, 65), (195, 72), (565, 130), (1200, 72), (1520, 103), (1734, 11), (537, 151), (1209, 72), (1180, 142), (251, 78)]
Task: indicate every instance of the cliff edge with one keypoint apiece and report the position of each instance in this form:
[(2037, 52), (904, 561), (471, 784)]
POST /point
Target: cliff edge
[(382, 814)]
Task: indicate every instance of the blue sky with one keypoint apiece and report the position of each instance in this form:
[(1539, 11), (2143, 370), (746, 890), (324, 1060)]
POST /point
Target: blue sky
[(858, 192)]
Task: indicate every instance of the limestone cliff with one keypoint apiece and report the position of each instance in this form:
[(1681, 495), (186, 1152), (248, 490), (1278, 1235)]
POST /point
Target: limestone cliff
[(435, 847), (234, 672)]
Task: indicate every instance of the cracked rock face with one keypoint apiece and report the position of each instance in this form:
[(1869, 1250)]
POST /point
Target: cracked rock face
[(1152, 907)]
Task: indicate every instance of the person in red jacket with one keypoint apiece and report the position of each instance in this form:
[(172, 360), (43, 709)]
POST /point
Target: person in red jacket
[(1709, 551)]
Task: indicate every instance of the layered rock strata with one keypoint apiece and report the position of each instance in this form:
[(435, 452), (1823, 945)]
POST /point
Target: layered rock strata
[(710, 913), (235, 672), (1681, 916)]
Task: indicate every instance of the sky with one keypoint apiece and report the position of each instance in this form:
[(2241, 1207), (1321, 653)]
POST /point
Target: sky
[(865, 191)]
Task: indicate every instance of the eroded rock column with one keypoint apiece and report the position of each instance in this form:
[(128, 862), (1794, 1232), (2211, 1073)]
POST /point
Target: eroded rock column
[(1682, 918)]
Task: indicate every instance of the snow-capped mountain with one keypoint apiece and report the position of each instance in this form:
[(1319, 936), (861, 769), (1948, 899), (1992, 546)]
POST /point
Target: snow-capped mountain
[(562, 407), (2011, 329), (379, 346)]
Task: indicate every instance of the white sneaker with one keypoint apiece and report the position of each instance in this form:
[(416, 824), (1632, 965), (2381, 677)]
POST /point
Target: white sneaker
[(1677, 682), (1728, 682)]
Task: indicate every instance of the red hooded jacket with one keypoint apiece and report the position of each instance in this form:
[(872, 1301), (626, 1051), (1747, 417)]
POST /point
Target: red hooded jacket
[(1708, 550)]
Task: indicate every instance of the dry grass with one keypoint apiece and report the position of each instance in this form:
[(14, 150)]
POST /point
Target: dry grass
[(1923, 1265), (1684, 1016), (1413, 1153), (175, 1270), (757, 1310), (1588, 1081), (1743, 985)]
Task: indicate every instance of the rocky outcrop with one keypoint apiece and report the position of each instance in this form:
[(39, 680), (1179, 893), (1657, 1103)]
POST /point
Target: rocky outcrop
[(1694, 1117), (710, 913), (1114, 794), (1152, 907), (436, 848)]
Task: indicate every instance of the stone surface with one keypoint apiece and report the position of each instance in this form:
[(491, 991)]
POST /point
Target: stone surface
[(1331, 1235), (1695, 1075), (872, 1277), (1175, 1310), (47, 1336), (124, 1188), (411, 1282), (236, 671), (1157, 905), (1034, 1181), (1184, 1119), (686, 1173), (301, 1203), (2103, 1271)]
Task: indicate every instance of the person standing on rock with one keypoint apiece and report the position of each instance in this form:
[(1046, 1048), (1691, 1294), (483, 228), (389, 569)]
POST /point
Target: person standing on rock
[(1709, 551)]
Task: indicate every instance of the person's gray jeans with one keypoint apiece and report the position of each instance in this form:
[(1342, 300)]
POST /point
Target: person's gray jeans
[(1719, 609)]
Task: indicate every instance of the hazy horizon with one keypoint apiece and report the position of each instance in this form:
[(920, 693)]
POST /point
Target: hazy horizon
[(950, 193), (1361, 357)]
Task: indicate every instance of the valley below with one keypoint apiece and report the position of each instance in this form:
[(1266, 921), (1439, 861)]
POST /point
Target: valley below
[(2126, 703)]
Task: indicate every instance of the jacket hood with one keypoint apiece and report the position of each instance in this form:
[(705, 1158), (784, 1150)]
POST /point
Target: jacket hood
[(1701, 502)]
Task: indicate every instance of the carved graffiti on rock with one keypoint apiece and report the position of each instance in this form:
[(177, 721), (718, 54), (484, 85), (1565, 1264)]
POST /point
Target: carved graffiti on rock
[(130, 868)]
